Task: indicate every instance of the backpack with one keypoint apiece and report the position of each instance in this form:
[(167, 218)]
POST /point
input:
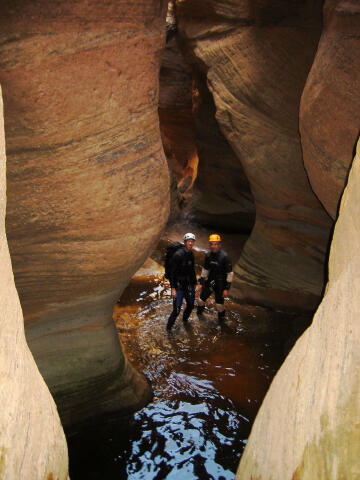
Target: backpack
[(170, 250)]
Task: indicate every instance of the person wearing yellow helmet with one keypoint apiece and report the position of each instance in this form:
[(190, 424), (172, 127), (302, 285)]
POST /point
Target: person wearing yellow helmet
[(216, 277)]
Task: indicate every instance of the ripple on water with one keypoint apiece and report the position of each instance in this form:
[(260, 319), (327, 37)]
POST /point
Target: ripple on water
[(208, 382)]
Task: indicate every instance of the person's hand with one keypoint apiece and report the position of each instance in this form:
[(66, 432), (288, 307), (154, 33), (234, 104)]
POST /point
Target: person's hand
[(173, 292), (198, 290), (225, 293)]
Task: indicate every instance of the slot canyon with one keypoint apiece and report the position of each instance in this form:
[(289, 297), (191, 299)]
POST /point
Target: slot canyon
[(124, 125)]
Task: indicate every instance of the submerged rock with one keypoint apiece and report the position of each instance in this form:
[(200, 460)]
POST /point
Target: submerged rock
[(32, 442)]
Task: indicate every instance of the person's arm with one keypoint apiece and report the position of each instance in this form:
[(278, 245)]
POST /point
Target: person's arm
[(229, 275), (193, 273), (174, 264), (204, 272)]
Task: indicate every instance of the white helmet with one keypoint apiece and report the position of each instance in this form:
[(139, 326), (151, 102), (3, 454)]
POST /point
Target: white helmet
[(189, 236)]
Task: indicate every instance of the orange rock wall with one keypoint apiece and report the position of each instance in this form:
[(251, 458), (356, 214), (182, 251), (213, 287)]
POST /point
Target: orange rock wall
[(32, 441), (308, 425), (330, 105), (256, 56), (177, 123), (88, 186), (222, 199)]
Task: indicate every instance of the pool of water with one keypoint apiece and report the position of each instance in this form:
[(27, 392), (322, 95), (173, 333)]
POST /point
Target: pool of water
[(208, 380)]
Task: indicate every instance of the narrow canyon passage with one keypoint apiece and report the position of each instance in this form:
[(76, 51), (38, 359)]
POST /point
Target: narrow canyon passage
[(123, 126), (208, 381)]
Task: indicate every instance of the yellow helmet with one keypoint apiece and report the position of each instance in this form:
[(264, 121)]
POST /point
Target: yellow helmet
[(214, 237)]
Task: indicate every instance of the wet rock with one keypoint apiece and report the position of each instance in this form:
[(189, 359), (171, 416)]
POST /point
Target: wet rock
[(330, 105), (88, 184), (256, 57), (32, 442), (307, 426)]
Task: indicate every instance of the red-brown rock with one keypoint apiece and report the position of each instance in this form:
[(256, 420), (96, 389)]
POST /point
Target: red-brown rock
[(177, 123), (330, 105), (198, 154), (88, 184), (308, 424), (222, 199), (32, 441), (257, 56)]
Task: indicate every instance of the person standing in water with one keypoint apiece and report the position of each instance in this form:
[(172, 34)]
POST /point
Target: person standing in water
[(182, 279), (216, 276)]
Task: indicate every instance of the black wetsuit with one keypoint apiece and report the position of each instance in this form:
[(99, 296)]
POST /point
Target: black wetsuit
[(216, 277), (183, 278)]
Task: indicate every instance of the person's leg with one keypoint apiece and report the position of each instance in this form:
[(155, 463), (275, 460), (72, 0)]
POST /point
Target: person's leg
[(219, 304), (176, 308), (190, 300), (203, 297)]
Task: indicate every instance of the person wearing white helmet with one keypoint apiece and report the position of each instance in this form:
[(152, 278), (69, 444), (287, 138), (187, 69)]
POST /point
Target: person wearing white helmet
[(182, 279)]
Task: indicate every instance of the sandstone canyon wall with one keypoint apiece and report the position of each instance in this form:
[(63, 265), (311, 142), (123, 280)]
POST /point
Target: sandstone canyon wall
[(330, 105), (88, 187), (308, 424), (32, 442), (177, 124), (222, 198), (256, 57), (198, 154)]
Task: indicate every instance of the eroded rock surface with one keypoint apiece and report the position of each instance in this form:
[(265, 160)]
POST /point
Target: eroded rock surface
[(257, 56), (177, 123), (222, 198), (210, 181), (308, 425), (330, 105), (88, 183), (32, 442)]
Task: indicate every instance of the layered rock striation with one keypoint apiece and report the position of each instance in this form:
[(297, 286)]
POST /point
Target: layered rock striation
[(256, 57), (308, 424), (330, 105), (210, 183), (32, 442), (222, 199), (88, 186), (177, 123)]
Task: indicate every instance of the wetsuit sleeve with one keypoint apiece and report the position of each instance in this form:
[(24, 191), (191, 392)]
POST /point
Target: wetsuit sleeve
[(174, 266), (193, 273), (205, 271), (229, 272)]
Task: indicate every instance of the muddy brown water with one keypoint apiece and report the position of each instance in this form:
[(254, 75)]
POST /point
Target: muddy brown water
[(208, 380)]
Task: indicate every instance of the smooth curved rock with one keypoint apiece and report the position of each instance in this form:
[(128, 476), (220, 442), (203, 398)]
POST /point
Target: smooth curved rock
[(32, 442), (177, 123), (257, 56), (222, 198), (330, 105), (88, 186), (308, 424), (210, 182)]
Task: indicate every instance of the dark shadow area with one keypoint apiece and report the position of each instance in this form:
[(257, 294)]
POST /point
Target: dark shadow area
[(221, 198)]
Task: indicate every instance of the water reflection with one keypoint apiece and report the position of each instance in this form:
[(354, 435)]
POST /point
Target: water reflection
[(208, 380)]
